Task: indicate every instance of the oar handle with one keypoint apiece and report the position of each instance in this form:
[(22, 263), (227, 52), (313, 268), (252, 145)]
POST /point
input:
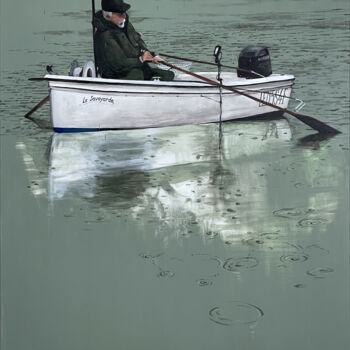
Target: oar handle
[(312, 122)]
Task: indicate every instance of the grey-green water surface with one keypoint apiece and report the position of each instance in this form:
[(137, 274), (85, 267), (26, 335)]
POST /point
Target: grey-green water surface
[(154, 239)]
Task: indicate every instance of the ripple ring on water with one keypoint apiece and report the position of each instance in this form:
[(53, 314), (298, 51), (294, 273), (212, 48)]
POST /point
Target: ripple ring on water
[(312, 222), (150, 256), (235, 312), (270, 235), (295, 257), (203, 282), (146, 256), (320, 272), (233, 264), (166, 274), (253, 241), (288, 212)]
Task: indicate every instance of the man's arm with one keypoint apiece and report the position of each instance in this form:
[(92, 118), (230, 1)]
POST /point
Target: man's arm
[(137, 38), (147, 55)]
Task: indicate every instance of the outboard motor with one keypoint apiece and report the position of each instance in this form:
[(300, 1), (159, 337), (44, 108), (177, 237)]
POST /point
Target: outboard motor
[(254, 58)]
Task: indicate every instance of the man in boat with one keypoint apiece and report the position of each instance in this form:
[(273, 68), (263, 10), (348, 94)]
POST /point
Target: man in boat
[(119, 49)]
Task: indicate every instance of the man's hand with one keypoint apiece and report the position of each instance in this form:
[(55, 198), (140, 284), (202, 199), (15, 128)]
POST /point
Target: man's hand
[(157, 59), (147, 56)]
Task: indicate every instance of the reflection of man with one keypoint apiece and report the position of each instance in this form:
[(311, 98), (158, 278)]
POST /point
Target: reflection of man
[(120, 51)]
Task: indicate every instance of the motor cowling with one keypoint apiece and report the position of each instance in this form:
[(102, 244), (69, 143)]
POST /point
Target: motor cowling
[(254, 58)]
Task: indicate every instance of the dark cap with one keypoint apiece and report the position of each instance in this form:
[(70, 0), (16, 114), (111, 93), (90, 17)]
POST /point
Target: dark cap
[(114, 6)]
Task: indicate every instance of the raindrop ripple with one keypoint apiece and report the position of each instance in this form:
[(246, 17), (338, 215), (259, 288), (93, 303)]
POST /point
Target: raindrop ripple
[(235, 264), (235, 312)]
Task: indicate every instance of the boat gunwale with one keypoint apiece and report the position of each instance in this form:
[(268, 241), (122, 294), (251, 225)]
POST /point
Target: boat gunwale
[(167, 84)]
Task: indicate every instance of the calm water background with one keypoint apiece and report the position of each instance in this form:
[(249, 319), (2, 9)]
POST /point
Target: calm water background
[(153, 239)]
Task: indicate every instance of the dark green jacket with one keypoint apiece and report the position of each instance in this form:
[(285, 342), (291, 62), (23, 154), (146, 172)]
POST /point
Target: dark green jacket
[(117, 50)]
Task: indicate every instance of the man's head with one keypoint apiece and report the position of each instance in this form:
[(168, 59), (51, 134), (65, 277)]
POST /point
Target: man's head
[(115, 11)]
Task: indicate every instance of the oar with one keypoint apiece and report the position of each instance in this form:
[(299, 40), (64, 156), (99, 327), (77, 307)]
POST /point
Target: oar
[(42, 102), (37, 79), (310, 121), (211, 64)]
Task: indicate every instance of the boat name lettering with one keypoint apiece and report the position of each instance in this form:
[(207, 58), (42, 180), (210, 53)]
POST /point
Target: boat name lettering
[(276, 97), (98, 99)]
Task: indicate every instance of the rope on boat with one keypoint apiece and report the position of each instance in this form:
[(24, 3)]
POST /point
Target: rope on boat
[(300, 105), (218, 55)]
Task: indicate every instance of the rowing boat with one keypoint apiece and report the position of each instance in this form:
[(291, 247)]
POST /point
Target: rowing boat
[(94, 103)]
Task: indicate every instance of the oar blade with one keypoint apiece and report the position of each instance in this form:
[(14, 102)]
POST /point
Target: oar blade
[(316, 124), (42, 102)]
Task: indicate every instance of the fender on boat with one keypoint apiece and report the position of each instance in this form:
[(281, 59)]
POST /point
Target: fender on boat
[(89, 70)]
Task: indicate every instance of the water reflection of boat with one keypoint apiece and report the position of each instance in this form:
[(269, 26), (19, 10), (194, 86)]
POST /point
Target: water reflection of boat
[(172, 173), (76, 156)]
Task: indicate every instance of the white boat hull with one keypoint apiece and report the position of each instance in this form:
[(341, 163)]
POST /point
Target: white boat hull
[(83, 104)]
